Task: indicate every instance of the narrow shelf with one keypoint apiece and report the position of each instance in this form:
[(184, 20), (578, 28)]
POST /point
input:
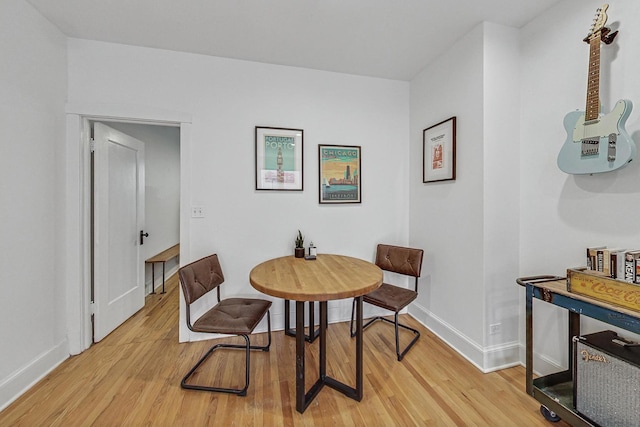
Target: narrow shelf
[(555, 392), (558, 387)]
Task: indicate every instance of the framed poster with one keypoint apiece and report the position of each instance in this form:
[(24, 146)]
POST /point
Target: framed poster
[(340, 177), (279, 159), (439, 152)]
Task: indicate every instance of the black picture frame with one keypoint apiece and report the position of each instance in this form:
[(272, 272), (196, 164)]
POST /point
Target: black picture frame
[(340, 174), (439, 151), (279, 159)]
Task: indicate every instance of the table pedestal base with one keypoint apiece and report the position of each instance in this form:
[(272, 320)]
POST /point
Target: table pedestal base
[(304, 398), (313, 334)]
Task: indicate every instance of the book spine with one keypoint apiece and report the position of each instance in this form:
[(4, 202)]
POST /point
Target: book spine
[(592, 257), (629, 268), (620, 272), (613, 264), (600, 260)]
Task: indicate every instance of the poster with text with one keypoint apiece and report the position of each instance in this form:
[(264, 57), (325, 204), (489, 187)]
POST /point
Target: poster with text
[(279, 158), (340, 174), (439, 152)]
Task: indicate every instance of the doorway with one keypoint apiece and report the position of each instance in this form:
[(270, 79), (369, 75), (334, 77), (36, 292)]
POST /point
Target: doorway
[(132, 219), (77, 266)]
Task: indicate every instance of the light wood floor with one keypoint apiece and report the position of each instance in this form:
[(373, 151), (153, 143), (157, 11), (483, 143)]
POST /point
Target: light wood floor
[(132, 378)]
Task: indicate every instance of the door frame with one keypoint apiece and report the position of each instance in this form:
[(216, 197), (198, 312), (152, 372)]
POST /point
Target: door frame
[(77, 219)]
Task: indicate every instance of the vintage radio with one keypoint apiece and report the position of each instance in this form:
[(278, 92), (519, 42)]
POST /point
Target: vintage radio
[(607, 379)]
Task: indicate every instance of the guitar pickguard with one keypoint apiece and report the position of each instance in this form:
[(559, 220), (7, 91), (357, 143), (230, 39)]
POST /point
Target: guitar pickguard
[(603, 126), (601, 145)]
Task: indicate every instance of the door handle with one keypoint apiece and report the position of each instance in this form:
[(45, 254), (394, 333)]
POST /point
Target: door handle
[(142, 236)]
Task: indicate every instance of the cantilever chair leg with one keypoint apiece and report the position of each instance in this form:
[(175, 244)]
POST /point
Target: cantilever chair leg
[(247, 347), (399, 354), (393, 298), (413, 341)]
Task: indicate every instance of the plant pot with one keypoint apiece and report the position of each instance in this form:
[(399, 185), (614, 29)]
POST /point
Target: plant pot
[(299, 253)]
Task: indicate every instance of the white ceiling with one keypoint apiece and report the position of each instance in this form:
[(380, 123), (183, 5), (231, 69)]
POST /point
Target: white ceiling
[(392, 39)]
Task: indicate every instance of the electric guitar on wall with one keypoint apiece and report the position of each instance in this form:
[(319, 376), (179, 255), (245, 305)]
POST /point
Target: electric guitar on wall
[(596, 142)]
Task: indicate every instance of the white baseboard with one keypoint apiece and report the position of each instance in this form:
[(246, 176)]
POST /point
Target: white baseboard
[(23, 379), (486, 359), (336, 312)]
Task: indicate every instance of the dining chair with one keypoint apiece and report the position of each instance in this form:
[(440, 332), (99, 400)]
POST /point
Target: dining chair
[(405, 261), (230, 316)]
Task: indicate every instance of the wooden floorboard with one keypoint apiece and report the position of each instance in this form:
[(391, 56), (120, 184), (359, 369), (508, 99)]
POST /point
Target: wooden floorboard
[(132, 378)]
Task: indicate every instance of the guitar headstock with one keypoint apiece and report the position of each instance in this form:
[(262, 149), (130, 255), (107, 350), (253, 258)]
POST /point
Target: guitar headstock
[(596, 30)]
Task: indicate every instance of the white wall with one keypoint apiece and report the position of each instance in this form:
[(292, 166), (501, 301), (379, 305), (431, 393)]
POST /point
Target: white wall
[(510, 205), (458, 223), (162, 192), (501, 203), (227, 99), (563, 214), (32, 96), (446, 217), (469, 227)]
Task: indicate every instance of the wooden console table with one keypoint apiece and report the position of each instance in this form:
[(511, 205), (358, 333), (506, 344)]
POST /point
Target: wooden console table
[(162, 257)]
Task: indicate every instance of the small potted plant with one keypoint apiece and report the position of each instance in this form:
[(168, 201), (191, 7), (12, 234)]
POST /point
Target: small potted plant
[(299, 251)]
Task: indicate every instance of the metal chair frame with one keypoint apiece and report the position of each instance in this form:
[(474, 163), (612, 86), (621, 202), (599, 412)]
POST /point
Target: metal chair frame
[(247, 347), (395, 322)]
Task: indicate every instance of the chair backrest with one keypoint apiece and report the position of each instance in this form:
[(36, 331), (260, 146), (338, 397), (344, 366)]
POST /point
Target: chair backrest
[(200, 277), (398, 259)]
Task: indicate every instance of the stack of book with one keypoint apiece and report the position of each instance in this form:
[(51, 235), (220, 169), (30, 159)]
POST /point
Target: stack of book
[(617, 263)]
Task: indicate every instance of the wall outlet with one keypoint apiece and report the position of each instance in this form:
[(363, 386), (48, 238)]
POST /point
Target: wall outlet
[(197, 212), (495, 328)]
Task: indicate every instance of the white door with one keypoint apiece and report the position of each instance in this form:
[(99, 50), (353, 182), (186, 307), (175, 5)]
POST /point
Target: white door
[(118, 218)]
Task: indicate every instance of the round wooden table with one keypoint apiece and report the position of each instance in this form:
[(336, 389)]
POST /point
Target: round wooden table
[(328, 277)]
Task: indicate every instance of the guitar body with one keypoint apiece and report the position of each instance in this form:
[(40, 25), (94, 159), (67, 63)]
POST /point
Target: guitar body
[(601, 145)]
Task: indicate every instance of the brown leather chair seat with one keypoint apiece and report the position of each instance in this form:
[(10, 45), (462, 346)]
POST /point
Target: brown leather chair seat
[(237, 316), (391, 297)]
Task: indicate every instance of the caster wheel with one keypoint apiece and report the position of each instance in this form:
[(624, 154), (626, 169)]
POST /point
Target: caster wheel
[(549, 415)]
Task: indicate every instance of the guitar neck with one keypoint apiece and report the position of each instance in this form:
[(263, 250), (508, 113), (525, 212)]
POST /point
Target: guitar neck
[(592, 110)]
